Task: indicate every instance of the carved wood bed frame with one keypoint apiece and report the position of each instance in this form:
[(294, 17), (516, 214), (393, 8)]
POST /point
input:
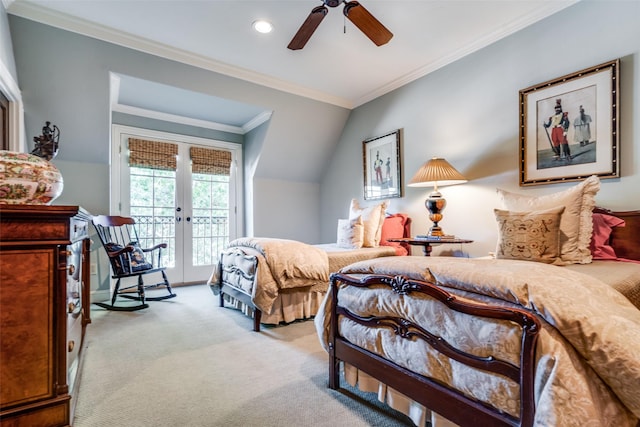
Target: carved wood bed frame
[(445, 400), (450, 403), (625, 240)]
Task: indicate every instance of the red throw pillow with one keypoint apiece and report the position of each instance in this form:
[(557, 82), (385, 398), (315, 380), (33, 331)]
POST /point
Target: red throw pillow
[(394, 227), (602, 226)]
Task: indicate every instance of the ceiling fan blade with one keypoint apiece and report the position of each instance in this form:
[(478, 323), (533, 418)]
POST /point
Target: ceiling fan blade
[(367, 23), (308, 27)]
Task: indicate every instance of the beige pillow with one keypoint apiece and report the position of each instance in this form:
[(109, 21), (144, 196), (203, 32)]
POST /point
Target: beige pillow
[(372, 219), (529, 236), (350, 233), (383, 214), (576, 225)]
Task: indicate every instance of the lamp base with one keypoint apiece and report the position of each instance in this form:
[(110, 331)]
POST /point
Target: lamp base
[(435, 204), (435, 231)]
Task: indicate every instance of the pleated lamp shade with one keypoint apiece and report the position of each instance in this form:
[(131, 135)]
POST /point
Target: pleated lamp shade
[(433, 173), (436, 172)]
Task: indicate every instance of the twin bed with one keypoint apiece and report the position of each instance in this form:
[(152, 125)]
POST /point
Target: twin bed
[(279, 281), (491, 342)]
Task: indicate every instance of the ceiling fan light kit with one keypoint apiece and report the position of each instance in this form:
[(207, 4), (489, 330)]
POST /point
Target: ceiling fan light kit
[(354, 11)]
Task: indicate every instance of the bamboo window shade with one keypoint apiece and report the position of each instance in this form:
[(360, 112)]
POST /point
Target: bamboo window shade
[(210, 161), (153, 154)]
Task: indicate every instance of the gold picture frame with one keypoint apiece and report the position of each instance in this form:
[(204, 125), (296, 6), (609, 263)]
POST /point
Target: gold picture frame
[(382, 166), (569, 127)]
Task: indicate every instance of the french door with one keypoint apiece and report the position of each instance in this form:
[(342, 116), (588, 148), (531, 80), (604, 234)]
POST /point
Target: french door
[(194, 210)]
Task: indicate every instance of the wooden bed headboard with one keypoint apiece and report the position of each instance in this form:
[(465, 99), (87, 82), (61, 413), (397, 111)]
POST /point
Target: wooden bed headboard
[(625, 240)]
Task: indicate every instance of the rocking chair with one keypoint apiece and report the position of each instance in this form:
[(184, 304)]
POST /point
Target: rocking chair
[(119, 238)]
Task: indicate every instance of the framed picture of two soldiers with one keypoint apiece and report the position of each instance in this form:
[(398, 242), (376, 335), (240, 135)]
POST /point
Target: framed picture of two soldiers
[(569, 127)]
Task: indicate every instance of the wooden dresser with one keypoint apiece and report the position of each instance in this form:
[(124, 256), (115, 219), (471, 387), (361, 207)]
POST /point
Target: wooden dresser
[(44, 309)]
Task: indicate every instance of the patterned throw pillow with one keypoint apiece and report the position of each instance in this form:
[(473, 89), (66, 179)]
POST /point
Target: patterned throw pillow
[(529, 236), (138, 262), (350, 233), (576, 226), (116, 261), (121, 262)]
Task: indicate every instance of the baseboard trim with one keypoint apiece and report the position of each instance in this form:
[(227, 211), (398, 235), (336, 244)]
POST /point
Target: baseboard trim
[(100, 295)]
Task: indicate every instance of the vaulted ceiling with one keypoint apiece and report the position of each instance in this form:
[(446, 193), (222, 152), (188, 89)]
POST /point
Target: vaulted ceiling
[(339, 64)]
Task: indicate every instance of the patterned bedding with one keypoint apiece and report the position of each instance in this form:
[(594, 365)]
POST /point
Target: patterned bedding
[(587, 364), (621, 276)]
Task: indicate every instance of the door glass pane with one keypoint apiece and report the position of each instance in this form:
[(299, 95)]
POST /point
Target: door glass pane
[(152, 205), (210, 222)]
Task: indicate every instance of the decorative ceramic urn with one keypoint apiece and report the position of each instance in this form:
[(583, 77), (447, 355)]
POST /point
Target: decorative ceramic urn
[(26, 179)]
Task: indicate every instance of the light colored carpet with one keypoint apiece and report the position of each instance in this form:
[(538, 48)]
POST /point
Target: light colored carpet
[(188, 362)]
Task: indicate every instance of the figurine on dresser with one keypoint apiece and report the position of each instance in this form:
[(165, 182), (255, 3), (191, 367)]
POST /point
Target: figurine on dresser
[(47, 143)]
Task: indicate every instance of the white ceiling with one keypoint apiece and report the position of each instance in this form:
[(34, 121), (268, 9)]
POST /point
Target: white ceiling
[(338, 67)]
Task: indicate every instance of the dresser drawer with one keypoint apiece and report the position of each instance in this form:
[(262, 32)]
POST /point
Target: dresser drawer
[(74, 343), (79, 229)]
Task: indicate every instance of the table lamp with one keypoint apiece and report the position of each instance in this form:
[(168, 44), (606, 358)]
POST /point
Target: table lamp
[(436, 172)]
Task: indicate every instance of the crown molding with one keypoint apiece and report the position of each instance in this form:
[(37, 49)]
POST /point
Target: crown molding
[(256, 121), (150, 114), (542, 12), (207, 124)]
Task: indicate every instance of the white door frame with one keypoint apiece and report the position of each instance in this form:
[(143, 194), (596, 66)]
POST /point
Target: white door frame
[(10, 89), (116, 173)]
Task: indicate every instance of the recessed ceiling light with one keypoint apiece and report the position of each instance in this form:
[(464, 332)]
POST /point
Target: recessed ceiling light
[(263, 27)]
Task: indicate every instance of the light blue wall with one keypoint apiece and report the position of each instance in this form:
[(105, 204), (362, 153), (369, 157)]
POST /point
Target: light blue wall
[(253, 146), (65, 79), (467, 112)]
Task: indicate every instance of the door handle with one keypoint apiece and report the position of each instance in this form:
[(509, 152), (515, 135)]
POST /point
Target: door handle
[(178, 219), (188, 219)]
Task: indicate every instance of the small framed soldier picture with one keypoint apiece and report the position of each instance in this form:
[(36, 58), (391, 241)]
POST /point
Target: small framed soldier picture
[(569, 127), (382, 166)]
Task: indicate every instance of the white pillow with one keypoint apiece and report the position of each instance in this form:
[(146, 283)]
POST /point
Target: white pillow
[(372, 218), (350, 233), (576, 225)]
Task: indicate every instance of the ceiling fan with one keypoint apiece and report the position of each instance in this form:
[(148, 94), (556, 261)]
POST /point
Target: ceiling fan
[(354, 11)]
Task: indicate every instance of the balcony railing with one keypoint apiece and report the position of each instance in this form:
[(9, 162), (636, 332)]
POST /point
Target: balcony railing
[(209, 236)]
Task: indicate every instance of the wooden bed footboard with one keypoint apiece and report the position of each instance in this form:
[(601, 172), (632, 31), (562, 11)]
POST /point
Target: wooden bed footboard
[(439, 397), (237, 274)]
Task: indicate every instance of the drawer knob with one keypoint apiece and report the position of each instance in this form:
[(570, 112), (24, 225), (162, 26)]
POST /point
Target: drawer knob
[(71, 345)]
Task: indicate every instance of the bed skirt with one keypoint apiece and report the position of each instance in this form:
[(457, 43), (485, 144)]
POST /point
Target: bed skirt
[(398, 401), (288, 307)]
